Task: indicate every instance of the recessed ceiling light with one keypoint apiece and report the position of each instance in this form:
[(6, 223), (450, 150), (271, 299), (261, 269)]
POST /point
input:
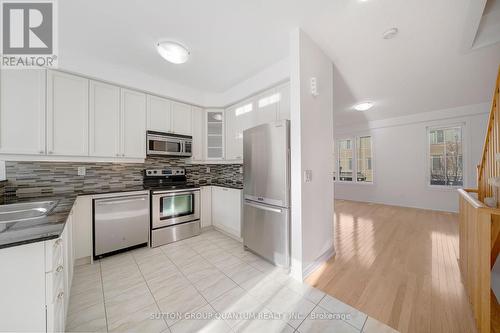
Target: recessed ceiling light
[(173, 52), (363, 106), (391, 33)]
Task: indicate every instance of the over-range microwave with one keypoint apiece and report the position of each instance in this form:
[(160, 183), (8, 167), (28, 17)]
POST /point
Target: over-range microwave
[(168, 144)]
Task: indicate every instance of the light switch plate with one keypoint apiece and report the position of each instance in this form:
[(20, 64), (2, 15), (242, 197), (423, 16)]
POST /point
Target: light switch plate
[(81, 171), (308, 176), (207, 170)]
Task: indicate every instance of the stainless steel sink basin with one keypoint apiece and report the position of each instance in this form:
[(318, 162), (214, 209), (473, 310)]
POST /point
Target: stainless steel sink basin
[(25, 211)]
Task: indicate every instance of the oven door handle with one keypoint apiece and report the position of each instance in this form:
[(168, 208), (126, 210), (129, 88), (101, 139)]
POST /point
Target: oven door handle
[(172, 193)]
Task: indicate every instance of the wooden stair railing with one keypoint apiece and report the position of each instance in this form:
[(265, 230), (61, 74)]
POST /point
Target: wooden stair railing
[(479, 229)]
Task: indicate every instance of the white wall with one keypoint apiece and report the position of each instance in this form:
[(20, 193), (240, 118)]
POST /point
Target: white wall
[(400, 158), (311, 122), (130, 77)]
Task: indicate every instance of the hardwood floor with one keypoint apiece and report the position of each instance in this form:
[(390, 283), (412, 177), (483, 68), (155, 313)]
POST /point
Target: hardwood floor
[(398, 265)]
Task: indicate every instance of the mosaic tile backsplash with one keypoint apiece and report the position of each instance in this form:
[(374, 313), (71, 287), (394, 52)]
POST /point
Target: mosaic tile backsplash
[(27, 179)]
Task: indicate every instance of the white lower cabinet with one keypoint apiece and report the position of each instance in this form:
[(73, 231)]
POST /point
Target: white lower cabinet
[(35, 284), (206, 206), (226, 210)]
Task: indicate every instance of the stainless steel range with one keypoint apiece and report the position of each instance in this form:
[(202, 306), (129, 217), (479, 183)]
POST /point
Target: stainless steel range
[(175, 205)]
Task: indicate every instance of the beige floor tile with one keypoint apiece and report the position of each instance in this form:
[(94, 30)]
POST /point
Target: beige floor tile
[(143, 253), (155, 269), (322, 321), (236, 305), (141, 320), (242, 272), (263, 266), (114, 287), (117, 272), (375, 326), (333, 305), (183, 301), (291, 305), (86, 284), (265, 323), (189, 261), (120, 260), (310, 293), (84, 300), (125, 304), (214, 285), (162, 286), (202, 274), (201, 320), (227, 264), (92, 318)]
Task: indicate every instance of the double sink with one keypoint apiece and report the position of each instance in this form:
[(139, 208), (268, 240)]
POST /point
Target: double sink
[(21, 212)]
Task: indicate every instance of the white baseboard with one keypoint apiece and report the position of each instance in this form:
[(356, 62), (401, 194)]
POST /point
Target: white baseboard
[(318, 262)]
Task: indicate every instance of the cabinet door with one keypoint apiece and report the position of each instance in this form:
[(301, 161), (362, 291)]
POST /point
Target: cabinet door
[(206, 206), (284, 103), (198, 134), (226, 209), (159, 114), (181, 119), (22, 111), (67, 114), (22, 281), (104, 120), (215, 135), (266, 107), (133, 119), (234, 134)]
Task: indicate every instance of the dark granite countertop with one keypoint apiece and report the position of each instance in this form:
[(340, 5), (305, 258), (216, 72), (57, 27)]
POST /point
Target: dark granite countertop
[(235, 186), (40, 229), (52, 225)]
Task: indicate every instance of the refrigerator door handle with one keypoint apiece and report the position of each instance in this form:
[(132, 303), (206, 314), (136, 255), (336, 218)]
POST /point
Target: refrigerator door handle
[(270, 209)]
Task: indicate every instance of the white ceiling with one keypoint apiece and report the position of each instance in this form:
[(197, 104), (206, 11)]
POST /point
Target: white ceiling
[(421, 70)]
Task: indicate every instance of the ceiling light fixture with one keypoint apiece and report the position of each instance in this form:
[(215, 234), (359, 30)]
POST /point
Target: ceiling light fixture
[(391, 33), (365, 106), (173, 52)]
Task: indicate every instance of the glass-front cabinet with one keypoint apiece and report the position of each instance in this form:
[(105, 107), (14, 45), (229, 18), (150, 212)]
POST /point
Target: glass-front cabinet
[(215, 134)]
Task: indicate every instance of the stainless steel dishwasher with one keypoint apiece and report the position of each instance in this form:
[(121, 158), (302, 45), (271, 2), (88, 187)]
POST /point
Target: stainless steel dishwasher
[(120, 223)]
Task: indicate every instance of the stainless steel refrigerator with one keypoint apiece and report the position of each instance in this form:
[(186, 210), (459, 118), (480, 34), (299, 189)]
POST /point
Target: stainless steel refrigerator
[(266, 190)]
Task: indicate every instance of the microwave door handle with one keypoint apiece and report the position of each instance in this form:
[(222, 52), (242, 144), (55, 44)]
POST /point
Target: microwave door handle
[(183, 147)]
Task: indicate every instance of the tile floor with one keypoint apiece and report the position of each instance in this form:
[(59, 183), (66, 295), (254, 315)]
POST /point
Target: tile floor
[(206, 283)]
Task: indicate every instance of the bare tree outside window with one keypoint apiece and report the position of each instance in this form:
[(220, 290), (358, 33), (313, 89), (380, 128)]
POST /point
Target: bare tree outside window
[(446, 156)]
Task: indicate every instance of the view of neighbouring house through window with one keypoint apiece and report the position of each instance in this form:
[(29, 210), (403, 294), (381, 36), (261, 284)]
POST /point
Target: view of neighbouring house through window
[(364, 159), (446, 156), (352, 150)]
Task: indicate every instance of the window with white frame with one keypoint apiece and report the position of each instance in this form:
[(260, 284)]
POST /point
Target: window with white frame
[(445, 155), (354, 160)]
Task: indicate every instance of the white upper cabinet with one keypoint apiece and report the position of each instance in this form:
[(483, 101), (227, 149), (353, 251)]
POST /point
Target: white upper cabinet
[(284, 102), (198, 115), (104, 120), (266, 107), (159, 114), (67, 114), (238, 118), (133, 120), (182, 119), (215, 134), (22, 111)]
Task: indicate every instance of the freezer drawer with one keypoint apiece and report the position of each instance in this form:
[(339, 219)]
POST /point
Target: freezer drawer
[(120, 223), (266, 232)]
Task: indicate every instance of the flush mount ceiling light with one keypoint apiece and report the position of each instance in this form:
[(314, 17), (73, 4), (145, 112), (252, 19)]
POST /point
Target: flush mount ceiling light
[(365, 106), (391, 33), (173, 52)]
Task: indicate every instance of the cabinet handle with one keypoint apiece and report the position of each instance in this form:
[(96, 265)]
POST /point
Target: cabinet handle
[(59, 268), (123, 155), (41, 151), (60, 295), (50, 151), (117, 155)]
